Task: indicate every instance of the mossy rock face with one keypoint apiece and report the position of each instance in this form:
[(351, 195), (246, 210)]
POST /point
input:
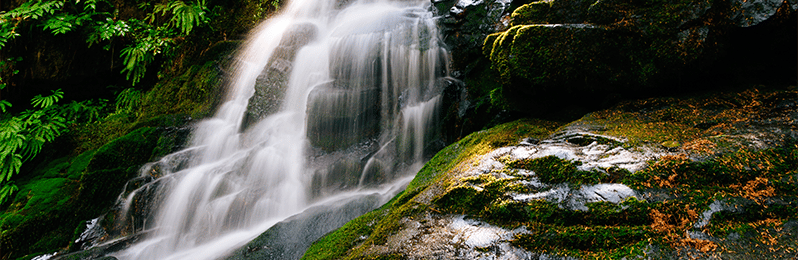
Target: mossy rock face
[(592, 51), (574, 61), (194, 93), (602, 187), (552, 12), (366, 236), (65, 193)]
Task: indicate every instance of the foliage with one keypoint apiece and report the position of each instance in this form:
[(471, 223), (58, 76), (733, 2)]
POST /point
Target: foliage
[(22, 137), (146, 38), (184, 16), (128, 100)]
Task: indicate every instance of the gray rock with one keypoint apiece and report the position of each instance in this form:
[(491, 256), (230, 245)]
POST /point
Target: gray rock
[(271, 84), (748, 13)]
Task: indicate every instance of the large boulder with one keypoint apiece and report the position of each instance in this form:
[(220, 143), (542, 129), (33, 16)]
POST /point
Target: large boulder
[(670, 178), (594, 51)]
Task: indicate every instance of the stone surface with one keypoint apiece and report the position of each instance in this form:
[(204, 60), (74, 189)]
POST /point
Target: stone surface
[(648, 199), (271, 84), (596, 50)]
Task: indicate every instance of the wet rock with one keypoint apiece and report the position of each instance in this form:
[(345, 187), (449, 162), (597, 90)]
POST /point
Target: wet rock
[(605, 183), (93, 232), (465, 24), (290, 238), (341, 115), (752, 12), (340, 170), (271, 84)]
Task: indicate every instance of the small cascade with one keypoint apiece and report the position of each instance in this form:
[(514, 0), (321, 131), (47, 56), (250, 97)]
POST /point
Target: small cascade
[(329, 101)]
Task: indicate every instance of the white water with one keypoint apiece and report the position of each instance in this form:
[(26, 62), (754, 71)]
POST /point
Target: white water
[(367, 85)]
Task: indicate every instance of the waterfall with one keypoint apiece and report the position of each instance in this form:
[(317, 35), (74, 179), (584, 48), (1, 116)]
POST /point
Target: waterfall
[(330, 99)]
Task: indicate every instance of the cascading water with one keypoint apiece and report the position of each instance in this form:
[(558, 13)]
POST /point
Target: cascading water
[(330, 100)]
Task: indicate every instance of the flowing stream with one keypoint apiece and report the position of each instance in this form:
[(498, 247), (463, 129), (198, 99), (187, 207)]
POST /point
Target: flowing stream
[(331, 100)]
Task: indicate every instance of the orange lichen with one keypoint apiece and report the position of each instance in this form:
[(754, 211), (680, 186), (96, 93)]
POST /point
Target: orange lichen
[(701, 146)]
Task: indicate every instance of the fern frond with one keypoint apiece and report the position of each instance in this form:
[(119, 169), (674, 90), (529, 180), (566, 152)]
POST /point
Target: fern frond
[(7, 191), (4, 105), (44, 102)]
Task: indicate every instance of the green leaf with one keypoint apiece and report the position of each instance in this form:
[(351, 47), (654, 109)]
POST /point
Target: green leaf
[(11, 166), (45, 102), (7, 191), (4, 105)]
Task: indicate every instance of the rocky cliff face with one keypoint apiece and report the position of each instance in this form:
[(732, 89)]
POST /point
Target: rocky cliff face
[(702, 177), (596, 52)]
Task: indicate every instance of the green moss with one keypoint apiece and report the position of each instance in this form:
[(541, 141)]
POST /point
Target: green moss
[(631, 212), (591, 239), (68, 191), (53, 169), (337, 243), (34, 222), (114, 164), (552, 12), (532, 13), (477, 144), (192, 93), (551, 169), (506, 212), (79, 164), (548, 57), (724, 173), (384, 222), (577, 47)]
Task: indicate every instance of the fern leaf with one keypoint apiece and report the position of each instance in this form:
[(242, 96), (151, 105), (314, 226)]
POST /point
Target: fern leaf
[(11, 166), (7, 191), (4, 105)]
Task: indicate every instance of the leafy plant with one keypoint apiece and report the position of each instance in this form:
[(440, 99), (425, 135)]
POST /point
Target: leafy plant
[(86, 111), (128, 100), (107, 30), (184, 16), (29, 10), (150, 41), (44, 102), (146, 38), (22, 137)]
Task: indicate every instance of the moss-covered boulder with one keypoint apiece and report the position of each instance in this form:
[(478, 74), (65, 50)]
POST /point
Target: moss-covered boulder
[(670, 178), (592, 51)]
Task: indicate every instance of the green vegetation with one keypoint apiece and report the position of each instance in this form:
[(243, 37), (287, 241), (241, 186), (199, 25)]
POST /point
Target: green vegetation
[(163, 26), (22, 137), (57, 197), (378, 225), (551, 169)]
